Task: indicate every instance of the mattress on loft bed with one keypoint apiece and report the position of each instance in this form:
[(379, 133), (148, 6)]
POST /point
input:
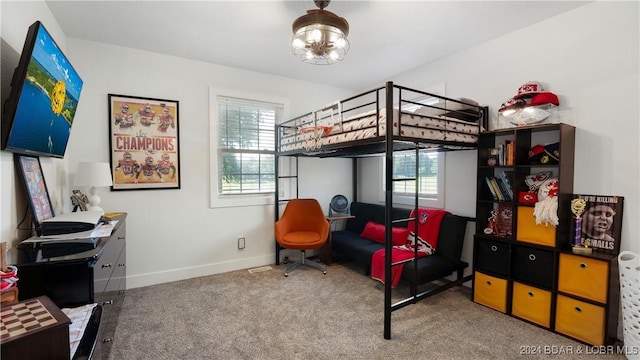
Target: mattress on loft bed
[(427, 126)]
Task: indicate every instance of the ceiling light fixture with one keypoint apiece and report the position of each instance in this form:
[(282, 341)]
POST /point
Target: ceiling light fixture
[(320, 36)]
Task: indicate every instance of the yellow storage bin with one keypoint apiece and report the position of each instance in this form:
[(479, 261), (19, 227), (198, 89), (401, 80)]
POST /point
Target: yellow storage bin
[(583, 276), (580, 320), (531, 303), (490, 291), (529, 231)]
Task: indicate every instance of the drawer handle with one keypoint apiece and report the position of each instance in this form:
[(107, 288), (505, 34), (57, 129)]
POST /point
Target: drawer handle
[(106, 266), (583, 265), (108, 302), (107, 340), (494, 248), (532, 257), (530, 293), (488, 282), (578, 309), (120, 237)]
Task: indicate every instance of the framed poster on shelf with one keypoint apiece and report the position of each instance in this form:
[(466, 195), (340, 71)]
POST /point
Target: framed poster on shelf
[(144, 142), (598, 221), (504, 220), (36, 188)]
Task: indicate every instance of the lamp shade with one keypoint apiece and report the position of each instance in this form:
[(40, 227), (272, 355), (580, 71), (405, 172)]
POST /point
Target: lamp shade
[(93, 174)]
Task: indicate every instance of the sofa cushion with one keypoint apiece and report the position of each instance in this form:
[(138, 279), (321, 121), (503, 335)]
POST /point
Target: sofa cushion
[(363, 254), (376, 232), (451, 237), (364, 213), (345, 241)]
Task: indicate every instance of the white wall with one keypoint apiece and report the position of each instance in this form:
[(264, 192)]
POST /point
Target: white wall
[(589, 57), (172, 234)]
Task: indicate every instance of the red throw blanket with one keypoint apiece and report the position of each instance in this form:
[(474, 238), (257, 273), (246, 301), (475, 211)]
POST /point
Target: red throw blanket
[(429, 221)]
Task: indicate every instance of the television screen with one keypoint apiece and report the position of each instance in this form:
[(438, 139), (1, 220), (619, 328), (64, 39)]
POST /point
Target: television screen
[(45, 89)]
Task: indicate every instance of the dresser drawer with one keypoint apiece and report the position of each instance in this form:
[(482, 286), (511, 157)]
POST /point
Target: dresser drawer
[(583, 276), (492, 256), (490, 291), (529, 231), (107, 263), (533, 266), (580, 320), (531, 303)]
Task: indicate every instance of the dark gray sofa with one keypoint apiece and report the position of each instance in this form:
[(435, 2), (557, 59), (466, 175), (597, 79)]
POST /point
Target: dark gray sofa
[(348, 245)]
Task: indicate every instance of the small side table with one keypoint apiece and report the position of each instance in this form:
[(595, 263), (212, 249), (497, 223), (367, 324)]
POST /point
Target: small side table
[(34, 329), (325, 250)]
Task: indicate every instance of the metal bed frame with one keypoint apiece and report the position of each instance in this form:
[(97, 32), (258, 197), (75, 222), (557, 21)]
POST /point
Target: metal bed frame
[(383, 145)]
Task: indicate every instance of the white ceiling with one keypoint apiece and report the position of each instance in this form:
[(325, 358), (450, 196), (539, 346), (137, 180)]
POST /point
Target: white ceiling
[(386, 37)]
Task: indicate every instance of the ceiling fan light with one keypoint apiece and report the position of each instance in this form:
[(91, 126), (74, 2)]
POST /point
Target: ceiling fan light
[(320, 37)]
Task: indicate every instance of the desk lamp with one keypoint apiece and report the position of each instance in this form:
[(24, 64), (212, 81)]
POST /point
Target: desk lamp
[(93, 175)]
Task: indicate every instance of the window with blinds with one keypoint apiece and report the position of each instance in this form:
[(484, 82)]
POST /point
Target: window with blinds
[(430, 178), (404, 166), (246, 145)]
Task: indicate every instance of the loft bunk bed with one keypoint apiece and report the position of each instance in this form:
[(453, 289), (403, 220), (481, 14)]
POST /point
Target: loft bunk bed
[(357, 127)]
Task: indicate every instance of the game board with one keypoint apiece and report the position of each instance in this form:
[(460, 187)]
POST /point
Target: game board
[(23, 317)]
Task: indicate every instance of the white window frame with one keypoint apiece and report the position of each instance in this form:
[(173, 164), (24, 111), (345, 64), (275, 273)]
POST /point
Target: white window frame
[(234, 200), (436, 201)]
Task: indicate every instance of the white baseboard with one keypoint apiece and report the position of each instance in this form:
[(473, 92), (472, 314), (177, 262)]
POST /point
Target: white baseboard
[(135, 281)]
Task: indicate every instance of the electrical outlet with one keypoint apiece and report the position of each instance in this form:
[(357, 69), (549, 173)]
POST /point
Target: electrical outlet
[(241, 242)]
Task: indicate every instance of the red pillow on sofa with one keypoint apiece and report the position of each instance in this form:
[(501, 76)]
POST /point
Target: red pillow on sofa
[(374, 231)]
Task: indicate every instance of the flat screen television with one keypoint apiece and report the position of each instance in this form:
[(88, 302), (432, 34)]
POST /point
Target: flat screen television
[(41, 107)]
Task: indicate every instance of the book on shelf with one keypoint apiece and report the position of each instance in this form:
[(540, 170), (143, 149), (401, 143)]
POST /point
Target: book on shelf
[(503, 189), (496, 188), (491, 189), (506, 153), (511, 151), (504, 179)]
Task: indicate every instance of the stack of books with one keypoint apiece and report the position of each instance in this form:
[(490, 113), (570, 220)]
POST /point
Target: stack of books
[(500, 186)]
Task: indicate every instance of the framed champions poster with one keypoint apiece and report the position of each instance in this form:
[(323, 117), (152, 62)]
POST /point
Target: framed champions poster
[(144, 141), (598, 221)]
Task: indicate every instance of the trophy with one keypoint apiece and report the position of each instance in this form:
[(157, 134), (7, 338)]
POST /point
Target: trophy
[(577, 208)]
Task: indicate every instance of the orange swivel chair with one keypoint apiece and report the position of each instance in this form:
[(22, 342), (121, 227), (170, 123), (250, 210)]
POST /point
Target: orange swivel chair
[(303, 226)]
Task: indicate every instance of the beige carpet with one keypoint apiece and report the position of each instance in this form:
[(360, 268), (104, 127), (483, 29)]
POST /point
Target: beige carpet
[(263, 315)]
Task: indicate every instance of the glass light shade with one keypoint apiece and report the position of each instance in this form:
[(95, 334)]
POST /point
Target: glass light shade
[(320, 37)]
